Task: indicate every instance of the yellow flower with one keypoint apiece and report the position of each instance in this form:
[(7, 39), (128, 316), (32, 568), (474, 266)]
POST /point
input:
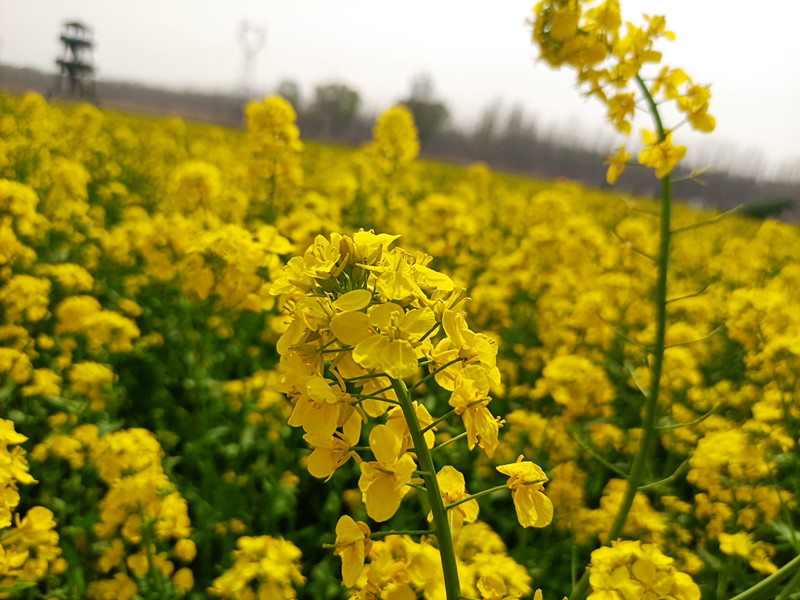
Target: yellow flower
[(757, 554), (630, 569), (332, 452), (383, 480), (271, 126), (121, 587), (319, 406), (138, 563), (620, 109), (183, 579), (492, 587), (397, 421), (112, 556), (453, 488), (534, 509), (185, 550), (661, 156), (396, 136), (469, 399), (392, 349), (617, 164), (669, 80), (353, 545)]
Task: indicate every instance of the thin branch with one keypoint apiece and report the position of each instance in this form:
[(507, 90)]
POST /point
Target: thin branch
[(476, 496), (381, 534), (702, 339), (367, 376), (681, 468), (711, 221), (331, 350), (444, 417), (694, 175), (433, 373), (632, 247), (632, 372), (762, 586), (632, 205), (699, 419), (361, 397), (597, 456), (429, 332), (448, 442), (623, 336), (697, 293)]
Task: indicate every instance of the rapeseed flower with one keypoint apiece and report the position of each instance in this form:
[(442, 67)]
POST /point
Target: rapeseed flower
[(526, 480), (383, 481)]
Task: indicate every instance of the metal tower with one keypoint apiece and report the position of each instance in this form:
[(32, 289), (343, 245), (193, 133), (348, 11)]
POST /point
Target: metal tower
[(252, 40), (76, 62)]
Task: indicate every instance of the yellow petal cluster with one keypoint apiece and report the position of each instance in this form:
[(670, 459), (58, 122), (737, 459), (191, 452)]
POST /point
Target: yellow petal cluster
[(588, 36), (629, 569)]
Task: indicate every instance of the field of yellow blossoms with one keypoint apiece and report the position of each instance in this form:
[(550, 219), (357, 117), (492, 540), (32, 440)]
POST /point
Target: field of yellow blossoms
[(205, 335)]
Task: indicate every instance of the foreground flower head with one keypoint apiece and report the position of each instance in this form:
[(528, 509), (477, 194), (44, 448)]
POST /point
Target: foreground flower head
[(630, 569)]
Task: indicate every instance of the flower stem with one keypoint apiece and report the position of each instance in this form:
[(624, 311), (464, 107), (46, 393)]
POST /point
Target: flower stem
[(759, 589), (153, 574), (434, 372), (446, 443), (381, 534), (477, 495), (440, 521), (637, 473)]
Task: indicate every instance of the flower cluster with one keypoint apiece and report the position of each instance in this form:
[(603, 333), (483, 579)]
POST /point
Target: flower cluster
[(143, 524), (28, 545), (270, 564), (588, 36), (400, 566), (360, 316), (363, 317), (629, 569)]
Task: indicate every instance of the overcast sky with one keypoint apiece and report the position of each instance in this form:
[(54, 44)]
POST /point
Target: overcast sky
[(476, 51)]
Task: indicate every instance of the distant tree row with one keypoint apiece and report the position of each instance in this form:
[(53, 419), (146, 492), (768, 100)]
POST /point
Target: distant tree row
[(508, 139), (335, 109)]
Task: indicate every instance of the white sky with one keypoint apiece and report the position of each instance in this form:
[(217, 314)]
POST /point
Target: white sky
[(477, 51)]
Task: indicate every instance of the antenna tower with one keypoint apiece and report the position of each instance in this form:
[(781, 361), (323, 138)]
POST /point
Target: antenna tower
[(252, 39)]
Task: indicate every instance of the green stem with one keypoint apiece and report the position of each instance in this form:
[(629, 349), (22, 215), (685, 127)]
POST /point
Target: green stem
[(362, 397), (649, 434), (440, 521), (452, 440), (597, 456), (381, 534), (789, 587), (433, 373), (444, 417), (367, 376), (681, 468), (476, 496), (152, 571)]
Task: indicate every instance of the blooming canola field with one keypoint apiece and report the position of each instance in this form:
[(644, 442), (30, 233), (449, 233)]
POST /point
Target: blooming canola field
[(210, 339)]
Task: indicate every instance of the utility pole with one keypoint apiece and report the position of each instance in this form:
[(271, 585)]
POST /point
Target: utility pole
[(252, 39)]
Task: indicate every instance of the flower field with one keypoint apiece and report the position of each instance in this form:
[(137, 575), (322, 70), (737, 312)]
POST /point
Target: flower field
[(238, 365)]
